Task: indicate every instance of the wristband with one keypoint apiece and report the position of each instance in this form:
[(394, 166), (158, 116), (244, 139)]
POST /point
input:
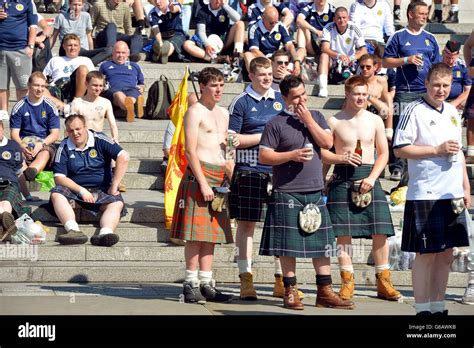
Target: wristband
[(389, 133), (405, 60)]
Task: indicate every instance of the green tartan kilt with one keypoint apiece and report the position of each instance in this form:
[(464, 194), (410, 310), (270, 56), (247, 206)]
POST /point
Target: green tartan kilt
[(282, 235), (12, 194), (349, 220)]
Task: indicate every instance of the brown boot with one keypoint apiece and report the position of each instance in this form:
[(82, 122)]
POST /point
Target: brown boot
[(347, 285), (247, 291), (291, 299), (279, 288), (385, 289), (326, 297)]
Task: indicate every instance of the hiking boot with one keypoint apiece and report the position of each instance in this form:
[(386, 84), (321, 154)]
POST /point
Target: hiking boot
[(30, 173), (192, 293), (468, 297), (8, 227), (385, 289), (72, 237), (130, 108), (209, 291), (106, 240), (247, 291), (165, 51), (326, 297), (139, 105), (437, 17), (291, 300), (347, 285), (452, 18), (279, 288)]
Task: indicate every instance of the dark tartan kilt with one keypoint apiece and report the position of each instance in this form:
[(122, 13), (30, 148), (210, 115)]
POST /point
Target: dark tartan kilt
[(349, 220), (468, 113), (282, 235), (94, 208), (435, 222), (248, 195), (12, 194)]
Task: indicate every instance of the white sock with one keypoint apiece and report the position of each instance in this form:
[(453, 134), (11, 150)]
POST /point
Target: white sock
[(347, 268), (191, 276), (245, 266), (105, 230), (439, 7), (422, 307), (239, 47), (470, 150), (71, 225), (437, 306), (205, 277), (454, 7), (278, 269), (381, 268), (323, 81)]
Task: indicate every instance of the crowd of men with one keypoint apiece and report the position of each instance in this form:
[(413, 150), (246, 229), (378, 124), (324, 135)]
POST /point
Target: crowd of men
[(393, 80)]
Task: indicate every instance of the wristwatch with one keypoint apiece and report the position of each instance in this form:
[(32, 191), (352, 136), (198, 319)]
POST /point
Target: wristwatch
[(32, 46)]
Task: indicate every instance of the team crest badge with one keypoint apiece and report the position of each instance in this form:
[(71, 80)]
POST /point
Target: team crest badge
[(379, 13), (19, 7), (427, 42), (325, 18), (43, 114), (277, 106), (458, 74), (348, 40), (6, 155), (278, 36), (222, 18), (93, 153), (454, 121)]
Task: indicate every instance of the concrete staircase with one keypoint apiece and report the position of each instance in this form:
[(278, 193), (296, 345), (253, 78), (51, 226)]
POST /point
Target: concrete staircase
[(144, 253)]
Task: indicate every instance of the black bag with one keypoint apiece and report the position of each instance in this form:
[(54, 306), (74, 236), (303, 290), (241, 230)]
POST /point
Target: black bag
[(160, 96), (41, 57)]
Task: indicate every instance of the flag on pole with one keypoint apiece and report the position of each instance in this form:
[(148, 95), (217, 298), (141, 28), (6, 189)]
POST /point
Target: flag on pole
[(177, 162)]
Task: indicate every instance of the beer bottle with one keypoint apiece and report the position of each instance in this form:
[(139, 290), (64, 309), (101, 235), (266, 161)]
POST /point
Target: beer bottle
[(358, 149)]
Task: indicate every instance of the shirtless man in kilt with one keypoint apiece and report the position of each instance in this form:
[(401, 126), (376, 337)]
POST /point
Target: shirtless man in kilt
[(353, 215), (296, 198), (205, 129), (11, 204), (429, 135)]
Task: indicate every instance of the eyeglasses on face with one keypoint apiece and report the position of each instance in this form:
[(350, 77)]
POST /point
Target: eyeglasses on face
[(280, 62), (363, 67)]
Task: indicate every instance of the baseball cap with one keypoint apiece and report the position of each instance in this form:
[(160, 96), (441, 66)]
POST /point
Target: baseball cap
[(453, 46)]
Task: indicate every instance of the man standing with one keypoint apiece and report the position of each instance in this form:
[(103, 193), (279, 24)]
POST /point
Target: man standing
[(195, 220), (18, 24), (126, 80), (83, 173), (249, 113), (297, 222), (429, 135), (412, 51), (355, 176)]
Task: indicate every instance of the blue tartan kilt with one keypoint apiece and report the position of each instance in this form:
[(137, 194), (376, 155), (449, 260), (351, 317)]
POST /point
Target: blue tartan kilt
[(282, 235), (94, 208), (431, 226)]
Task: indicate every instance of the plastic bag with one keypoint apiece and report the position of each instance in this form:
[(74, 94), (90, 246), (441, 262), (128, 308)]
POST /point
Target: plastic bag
[(28, 231), (399, 196), (399, 260), (46, 179)]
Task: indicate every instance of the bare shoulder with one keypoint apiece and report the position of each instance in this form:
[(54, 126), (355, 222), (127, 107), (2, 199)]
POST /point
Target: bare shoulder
[(382, 80), (195, 111), (371, 117), (223, 111)]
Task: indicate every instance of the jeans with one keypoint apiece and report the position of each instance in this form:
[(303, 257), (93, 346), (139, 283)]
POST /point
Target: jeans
[(109, 36)]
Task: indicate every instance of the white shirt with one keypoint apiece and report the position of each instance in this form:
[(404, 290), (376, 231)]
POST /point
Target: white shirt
[(373, 22), (434, 177), (346, 43), (59, 67)]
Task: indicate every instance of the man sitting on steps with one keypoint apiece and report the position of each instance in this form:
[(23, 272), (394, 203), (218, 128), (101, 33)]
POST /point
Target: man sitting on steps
[(83, 174)]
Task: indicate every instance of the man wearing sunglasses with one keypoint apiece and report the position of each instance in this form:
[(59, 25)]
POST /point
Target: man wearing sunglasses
[(281, 67)]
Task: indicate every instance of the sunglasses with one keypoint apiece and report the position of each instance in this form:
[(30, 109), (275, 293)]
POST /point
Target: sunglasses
[(281, 63), (366, 66)]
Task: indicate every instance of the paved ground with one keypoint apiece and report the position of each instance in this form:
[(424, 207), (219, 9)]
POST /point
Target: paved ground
[(164, 299)]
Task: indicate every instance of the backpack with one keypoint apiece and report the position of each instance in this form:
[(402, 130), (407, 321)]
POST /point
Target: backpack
[(160, 96)]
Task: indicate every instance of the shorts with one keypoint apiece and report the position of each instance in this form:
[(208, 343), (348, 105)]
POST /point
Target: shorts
[(17, 65)]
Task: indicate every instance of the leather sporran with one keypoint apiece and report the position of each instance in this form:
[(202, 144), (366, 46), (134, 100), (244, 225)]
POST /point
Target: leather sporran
[(310, 218), (360, 200)]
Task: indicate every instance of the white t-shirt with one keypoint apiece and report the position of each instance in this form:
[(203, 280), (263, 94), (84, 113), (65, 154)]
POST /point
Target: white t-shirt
[(373, 22), (95, 112), (434, 177), (346, 43), (79, 26), (59, 67)]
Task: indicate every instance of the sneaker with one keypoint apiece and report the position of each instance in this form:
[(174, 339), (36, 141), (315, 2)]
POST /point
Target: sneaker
[(192, 293), (396, 175), (72, 237), (396, 16), (165, 50), (323, 92), (106, 240), (468, 297), (209, 291), (437, 17)]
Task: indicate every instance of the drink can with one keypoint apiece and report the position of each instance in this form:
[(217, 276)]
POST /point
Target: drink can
[(309, 146), (453, 157), (230, 141), (31, 146), (420, 67)]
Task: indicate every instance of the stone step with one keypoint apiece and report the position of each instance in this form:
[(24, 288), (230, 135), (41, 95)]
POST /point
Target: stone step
[(144, 166), (173, 271), (143, 149)]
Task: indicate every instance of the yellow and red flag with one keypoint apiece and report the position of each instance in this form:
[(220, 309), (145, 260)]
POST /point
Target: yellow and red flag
[(177, 162)]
